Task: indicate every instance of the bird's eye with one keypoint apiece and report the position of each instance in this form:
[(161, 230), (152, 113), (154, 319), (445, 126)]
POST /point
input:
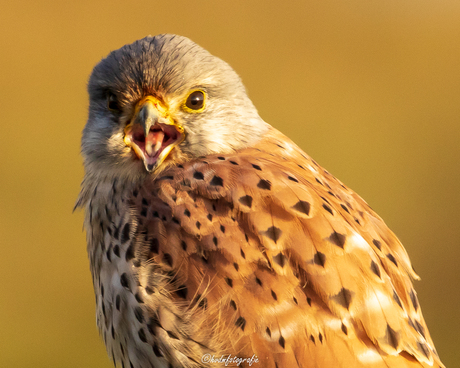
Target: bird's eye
[(112, 102), (195, 101)]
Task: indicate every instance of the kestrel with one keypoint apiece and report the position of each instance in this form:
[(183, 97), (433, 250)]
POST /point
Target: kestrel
[(213, 237)]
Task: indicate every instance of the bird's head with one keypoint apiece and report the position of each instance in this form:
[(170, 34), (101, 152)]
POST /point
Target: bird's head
[(160, 101)]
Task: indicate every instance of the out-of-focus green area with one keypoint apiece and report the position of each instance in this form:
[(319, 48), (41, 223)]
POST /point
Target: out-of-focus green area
[(370, 89)]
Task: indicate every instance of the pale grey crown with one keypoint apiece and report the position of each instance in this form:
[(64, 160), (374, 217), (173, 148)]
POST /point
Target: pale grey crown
[(169, 67)]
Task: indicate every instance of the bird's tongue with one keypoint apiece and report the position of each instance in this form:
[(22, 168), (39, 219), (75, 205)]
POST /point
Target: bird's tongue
[(153, 142)]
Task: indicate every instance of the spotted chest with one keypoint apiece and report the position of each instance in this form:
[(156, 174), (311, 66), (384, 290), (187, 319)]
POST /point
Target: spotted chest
[(261, 251)]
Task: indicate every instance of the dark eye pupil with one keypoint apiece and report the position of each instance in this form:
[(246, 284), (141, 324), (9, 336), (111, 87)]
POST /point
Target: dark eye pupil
[(195, 101), (112, 102)]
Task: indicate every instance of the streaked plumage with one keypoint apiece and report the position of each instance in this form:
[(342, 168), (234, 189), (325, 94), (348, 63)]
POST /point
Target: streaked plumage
[(238, 242)]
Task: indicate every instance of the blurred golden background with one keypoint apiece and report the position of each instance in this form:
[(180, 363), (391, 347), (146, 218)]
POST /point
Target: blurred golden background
[(370, 89)]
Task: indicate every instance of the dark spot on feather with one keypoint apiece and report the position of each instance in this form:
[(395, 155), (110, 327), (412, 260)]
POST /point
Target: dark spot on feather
[(117, 302), (129, 253), (413, 298), (325, 200), (135, 192), (182, 291), (198, 175), (377, 244), (345, 208), (154, 245), (233, 162), (264, 184), (221, 158), (320, 337), (375, 268), (292, 179), (157, 351), (144, 202), (331, 194), (209, 217), (337, 239), (392, 337), (282, 342), (139, 298), (396, 299), (246, 200), (183, 245), (344, 329), (214, 207), (269, 333), (187, 213), (357, 221), (125, 233), (180, 166), (217, 181), (392, 259), (258, 281), (113, 333), (124, 281), (153, 323), (319, 182), (273, 233), (109, 253), (312, 338), (203, 303), (168, 259), (155, 214), (138, 314), (102, 291), (328, 209), (295, 300), (236, 266), (302, 206), (240, 322), (198, 225), (423, 348), (233, 304), (142, 335), (246, 237), (172, 335), (309, 301), (319, 259), (257, 167), (242, 253), (420, 328), (214, 240), (144, 212), (229, 281), (222, 228), (343, 297), (274, 296), (280, 259)]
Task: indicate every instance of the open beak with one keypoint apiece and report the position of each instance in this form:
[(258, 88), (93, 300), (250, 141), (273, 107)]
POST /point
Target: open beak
[(152, 133)]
